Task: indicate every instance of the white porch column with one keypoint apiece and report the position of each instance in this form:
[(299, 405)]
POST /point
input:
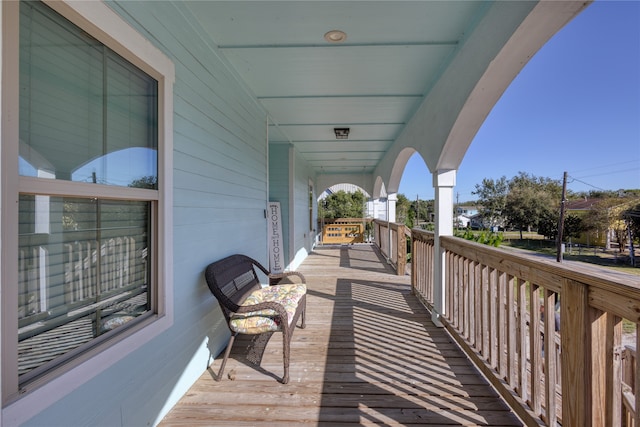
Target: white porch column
[(391, 207), (391, 217), (443, 183)]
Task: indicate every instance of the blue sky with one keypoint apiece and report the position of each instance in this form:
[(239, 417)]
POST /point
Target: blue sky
[(575, 107)]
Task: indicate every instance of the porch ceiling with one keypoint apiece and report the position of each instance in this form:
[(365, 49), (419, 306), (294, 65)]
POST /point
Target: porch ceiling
[(373, 83), (418, 74)]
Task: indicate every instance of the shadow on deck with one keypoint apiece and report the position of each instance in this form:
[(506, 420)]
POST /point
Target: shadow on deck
[(370, 355)]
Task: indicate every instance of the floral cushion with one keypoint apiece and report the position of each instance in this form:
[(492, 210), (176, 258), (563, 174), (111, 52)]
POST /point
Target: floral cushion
[(257, 322), (115, 321)]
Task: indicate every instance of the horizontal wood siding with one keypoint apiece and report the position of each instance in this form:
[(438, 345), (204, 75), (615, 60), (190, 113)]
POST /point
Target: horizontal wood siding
[(279, 186), (220, 195)]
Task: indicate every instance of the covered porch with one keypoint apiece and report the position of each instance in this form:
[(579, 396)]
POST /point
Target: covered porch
[(370, 355), (245, 103)]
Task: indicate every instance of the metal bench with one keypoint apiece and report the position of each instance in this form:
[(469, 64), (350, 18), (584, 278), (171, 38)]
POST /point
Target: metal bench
[(250, 308)]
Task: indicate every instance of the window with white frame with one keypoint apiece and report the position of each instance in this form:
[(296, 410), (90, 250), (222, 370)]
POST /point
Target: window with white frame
[(90, 199)]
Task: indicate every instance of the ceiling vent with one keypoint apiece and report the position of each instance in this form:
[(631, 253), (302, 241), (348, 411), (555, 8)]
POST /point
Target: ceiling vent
[(341, 133)]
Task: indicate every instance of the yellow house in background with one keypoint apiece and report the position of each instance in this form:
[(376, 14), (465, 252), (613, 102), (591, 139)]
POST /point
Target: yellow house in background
[(600, 237)]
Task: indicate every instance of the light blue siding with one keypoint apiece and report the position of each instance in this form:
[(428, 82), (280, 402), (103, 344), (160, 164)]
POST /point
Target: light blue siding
[(302, 235), (287, 168), (279, 172), (220, 194)]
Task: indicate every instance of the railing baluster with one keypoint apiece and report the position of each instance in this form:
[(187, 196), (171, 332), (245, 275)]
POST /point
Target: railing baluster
[(455, 264), (478, 308), (473, 334), (535, 347), (512, 331), (522, 340), (466, 307), (502, 325), (617, 407), (550, 368), (576, 410), (493, 325), (612, 388)]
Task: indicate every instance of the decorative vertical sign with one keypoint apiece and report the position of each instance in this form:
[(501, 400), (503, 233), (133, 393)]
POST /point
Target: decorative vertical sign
[(276, 248)]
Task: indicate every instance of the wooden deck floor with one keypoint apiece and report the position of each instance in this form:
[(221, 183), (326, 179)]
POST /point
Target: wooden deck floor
[(369, 356)]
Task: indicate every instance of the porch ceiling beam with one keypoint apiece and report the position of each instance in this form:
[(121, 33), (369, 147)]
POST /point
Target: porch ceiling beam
[(355, 96), (338, 46)]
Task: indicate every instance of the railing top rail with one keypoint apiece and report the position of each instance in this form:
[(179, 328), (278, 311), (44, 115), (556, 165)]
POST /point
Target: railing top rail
[(538, 269), (393, 225), (541, 270), (423, 235)]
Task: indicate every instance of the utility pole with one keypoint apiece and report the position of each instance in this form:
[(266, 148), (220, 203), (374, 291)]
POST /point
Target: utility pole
[(561, 220)]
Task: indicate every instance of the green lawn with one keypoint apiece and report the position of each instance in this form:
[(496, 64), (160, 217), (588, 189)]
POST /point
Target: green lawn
[(609, 259)]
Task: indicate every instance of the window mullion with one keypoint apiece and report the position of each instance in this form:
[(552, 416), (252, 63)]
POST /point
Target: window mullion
[(52, 187)]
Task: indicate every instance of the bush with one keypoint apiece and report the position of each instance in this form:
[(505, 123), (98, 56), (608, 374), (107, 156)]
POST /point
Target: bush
[(485, 237)]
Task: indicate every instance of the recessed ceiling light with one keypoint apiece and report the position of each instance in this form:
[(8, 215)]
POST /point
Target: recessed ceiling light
[(335, 36)]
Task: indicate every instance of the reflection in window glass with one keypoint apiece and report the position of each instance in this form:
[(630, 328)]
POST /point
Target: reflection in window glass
[(83, 272), (80, 104), (134, 167)]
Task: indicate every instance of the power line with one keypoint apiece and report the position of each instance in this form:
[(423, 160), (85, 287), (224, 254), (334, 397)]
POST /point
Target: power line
[(610, 173), (586, 183), (606, 166)]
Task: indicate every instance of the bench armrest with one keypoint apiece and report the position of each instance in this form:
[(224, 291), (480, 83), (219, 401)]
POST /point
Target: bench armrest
[(274, 279)]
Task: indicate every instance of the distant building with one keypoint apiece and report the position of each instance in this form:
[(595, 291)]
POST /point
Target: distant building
[(463, 215), (466, 210), (603, 237)]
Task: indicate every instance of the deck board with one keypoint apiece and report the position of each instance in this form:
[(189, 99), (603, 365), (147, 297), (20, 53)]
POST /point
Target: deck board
[(369, 355)]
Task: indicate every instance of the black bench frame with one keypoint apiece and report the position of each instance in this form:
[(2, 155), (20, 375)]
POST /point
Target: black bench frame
[(232, 279)]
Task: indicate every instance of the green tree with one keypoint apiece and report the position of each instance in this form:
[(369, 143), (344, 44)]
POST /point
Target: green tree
[(530, 200), (573, 226), (150, 181), (404, 213), (492, 199), (548, 224), (612, 214), (423, 209), (342, 205)]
